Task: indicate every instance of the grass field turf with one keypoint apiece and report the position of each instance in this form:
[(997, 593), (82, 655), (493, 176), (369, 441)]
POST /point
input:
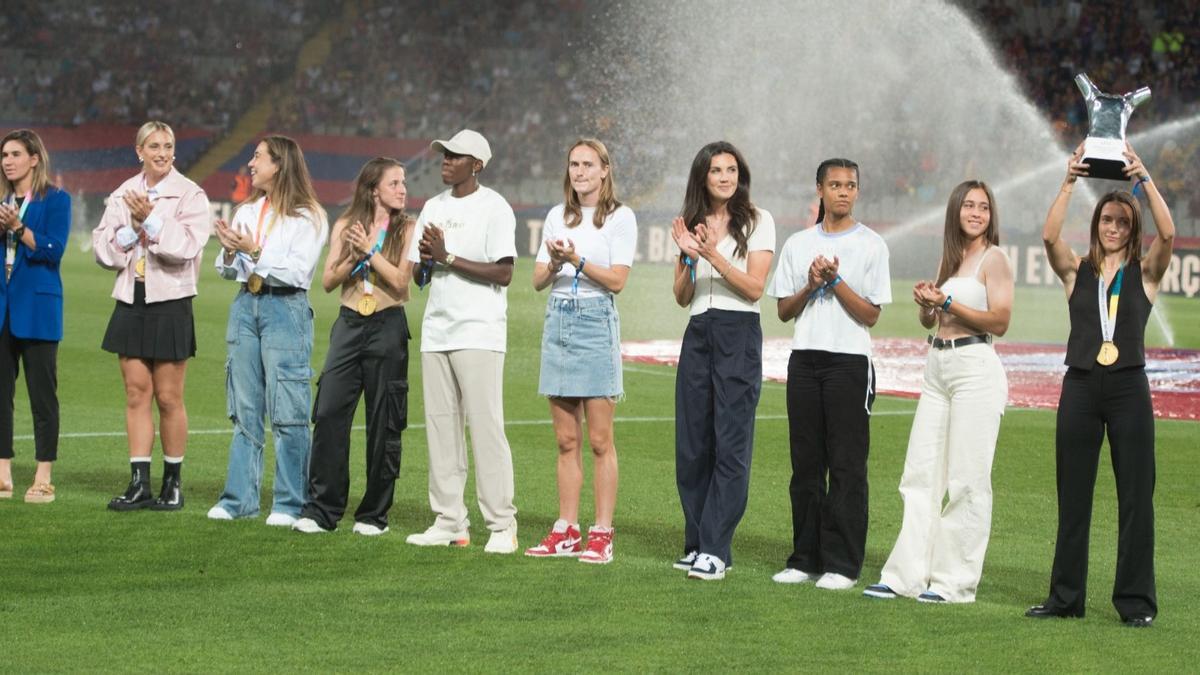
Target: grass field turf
[(85, 589)]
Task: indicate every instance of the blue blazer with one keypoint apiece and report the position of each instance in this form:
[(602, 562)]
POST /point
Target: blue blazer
[(31, 302)]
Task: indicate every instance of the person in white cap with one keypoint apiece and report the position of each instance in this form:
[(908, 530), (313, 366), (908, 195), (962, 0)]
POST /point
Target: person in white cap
[(465, 255)]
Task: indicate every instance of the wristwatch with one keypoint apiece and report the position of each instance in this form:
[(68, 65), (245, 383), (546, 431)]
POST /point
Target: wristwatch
[(449, 260), (256, 254)]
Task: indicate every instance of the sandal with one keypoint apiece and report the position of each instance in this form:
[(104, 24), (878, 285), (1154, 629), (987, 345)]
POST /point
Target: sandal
[(39, 493), (6, 490)]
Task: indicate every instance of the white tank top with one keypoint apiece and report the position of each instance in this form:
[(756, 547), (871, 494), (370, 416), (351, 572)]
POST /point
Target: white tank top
[(969, 291)]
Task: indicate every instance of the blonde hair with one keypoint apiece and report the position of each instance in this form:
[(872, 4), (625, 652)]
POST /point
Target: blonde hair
[(573, 211), (150, 127), (34, 146)]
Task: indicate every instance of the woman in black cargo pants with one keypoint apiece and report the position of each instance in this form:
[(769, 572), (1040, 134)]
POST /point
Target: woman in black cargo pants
[(368, 354)]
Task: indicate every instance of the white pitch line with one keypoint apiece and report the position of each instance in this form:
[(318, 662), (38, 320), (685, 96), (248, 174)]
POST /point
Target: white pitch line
[(511, 423)]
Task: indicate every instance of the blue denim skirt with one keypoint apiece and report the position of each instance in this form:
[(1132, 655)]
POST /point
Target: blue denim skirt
[(581, 349)]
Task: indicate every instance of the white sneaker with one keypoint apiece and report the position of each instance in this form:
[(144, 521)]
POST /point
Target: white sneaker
[(791, 575), (502, 541), (707, 568), (835, 582), (305, 525), (218, 513), (280, 520), (368, 530), (436, 536)]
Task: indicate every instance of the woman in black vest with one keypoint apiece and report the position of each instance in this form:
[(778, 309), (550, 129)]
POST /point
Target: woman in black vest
[(1105, 390)]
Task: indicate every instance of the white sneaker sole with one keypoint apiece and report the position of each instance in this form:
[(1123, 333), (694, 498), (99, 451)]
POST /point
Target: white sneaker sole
[(417, 540), (369, 530), (706, 576), (558, 554), (595, 561)]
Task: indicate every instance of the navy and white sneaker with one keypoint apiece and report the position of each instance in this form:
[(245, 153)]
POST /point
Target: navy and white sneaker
[(930, 596), (685, 563), (881, 591), (707, 568)]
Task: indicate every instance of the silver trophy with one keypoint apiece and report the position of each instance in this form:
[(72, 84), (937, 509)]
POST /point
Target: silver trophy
[(1108, 114)]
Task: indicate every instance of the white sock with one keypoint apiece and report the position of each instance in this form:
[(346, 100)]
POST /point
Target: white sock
[(561, 526), (172, 460), (136, 460)]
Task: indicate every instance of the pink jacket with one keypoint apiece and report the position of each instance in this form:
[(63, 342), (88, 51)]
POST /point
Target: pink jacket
[(173, 259)]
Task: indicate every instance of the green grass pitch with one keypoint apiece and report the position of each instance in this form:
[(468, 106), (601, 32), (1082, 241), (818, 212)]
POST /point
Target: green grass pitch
[(83, 589)]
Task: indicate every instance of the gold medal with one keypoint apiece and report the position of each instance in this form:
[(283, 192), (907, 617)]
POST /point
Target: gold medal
[(139, 268), (1108, 354), (254, 284), (367, 305)]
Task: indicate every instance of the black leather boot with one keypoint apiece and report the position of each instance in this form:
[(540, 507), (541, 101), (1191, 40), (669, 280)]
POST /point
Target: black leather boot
[(137, 495), (170, 497)]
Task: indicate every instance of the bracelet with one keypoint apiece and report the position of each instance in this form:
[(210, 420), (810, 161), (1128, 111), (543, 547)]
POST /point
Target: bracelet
[(836, 280), (946, 304), (19, 232)]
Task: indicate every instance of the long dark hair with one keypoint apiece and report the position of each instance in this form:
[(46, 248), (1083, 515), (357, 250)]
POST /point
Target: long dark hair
[(362, 207), (1133, 247), (608, 203), (954, 242), (697, 204), (836, 162)]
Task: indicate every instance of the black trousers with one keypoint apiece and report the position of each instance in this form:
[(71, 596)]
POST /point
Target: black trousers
[(367, 355), (829, 399), (1092, 403), (716, 393), (40, 359)]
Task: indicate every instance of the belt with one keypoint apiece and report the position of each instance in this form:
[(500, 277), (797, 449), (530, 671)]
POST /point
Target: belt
[(939, 343), (274, 290)]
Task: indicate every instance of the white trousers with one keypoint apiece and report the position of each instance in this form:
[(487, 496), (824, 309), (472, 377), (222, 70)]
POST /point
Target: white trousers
[(467, 386), (947, 481)]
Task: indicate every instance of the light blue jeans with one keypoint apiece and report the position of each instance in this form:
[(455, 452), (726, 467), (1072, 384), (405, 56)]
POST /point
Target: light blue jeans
[(268, 373)]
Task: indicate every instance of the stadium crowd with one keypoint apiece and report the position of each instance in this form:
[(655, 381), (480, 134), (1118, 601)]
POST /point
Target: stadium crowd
[(402, 71)]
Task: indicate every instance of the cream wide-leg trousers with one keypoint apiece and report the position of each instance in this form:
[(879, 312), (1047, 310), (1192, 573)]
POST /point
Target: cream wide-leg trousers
[(467, 386), (947, 481)]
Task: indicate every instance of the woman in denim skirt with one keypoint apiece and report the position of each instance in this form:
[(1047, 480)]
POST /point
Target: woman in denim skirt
[(271, 250), (588, 245)]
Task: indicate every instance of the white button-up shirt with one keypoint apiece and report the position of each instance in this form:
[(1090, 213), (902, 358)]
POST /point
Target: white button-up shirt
[(290, 250)]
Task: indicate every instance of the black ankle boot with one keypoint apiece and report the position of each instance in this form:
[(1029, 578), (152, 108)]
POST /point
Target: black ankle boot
[(170, 497), (137, 495)]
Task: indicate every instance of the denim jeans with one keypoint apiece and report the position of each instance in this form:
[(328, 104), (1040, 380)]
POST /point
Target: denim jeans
[(267, 373)]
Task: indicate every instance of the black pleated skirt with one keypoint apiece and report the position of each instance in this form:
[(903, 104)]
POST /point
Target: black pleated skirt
[(162, 331)]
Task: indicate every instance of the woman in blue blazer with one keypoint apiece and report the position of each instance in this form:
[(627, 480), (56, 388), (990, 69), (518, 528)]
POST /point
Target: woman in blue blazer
[(35, 218)]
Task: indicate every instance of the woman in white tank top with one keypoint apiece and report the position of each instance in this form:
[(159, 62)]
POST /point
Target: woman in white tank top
[(938, 556)]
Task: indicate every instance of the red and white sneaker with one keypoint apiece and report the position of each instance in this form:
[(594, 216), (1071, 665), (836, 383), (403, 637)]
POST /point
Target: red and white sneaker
[(599, 547), (567, 544)]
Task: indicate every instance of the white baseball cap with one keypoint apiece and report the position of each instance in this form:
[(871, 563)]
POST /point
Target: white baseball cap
[(466, 142)]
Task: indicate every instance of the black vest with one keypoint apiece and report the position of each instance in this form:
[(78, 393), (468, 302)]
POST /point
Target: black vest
[(1132, 313)]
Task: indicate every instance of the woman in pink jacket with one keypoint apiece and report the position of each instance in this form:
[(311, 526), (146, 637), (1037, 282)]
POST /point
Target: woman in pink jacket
[(153, 234)]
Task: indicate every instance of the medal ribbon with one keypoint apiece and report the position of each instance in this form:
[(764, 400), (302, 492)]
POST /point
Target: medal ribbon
[(259, 235), (366, 262), (1108, 318), (10, 250), (152, 195)]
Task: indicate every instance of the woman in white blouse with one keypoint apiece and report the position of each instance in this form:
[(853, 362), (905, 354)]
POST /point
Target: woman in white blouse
[(271, 249)]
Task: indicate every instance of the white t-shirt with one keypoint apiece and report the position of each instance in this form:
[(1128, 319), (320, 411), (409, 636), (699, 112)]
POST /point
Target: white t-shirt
[(462, 313), (712, 291), (613, 244), (825, 324)]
